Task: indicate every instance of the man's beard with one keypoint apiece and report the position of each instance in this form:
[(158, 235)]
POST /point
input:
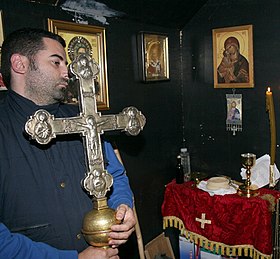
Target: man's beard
[(43, 89)]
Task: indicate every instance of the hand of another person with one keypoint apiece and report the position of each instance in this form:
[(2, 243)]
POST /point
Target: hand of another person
[(121, 232), (99, 253)]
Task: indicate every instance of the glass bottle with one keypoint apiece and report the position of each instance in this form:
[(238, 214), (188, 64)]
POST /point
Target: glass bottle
[(185, 161), (179, 171)]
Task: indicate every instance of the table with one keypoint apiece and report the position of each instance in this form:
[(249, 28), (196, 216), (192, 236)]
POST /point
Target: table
[(229, 225)]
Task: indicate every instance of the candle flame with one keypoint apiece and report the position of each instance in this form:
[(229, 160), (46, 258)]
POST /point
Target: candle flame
[(268, 89)]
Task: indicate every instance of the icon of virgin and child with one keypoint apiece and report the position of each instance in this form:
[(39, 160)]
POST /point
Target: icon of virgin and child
[(234, 67)]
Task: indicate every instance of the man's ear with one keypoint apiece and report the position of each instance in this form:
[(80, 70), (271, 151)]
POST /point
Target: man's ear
[(19, 63)]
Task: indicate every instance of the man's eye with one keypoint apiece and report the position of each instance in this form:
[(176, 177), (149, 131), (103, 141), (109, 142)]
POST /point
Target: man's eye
[(57, 63)]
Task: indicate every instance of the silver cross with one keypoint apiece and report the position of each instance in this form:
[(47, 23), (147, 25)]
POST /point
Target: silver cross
[(43, 126)]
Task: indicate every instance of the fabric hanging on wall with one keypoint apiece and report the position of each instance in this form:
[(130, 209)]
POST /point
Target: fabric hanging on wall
[(234, 112)]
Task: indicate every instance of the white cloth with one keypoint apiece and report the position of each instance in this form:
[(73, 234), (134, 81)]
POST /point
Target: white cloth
[(260, 172), (202, 186)]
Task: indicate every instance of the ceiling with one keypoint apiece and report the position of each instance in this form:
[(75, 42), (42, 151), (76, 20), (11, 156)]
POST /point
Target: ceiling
[(165, 13)]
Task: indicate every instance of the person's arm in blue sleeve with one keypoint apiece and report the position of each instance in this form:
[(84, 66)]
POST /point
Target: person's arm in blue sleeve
[(18, 246), (120, 191), (121, 199)]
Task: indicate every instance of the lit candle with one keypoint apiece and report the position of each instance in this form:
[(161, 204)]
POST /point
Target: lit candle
[(270, 109)]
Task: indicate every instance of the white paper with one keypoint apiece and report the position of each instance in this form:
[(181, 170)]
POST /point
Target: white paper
[(203, 186), (260, 172)]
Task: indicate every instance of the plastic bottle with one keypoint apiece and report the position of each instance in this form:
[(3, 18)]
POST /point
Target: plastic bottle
[(179, 171), (185, 161)]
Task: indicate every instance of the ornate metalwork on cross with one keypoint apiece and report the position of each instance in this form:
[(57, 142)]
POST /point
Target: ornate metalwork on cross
[(43, 127)]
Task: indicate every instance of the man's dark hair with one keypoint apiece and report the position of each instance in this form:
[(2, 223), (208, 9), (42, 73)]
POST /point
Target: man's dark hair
[(26, 42)]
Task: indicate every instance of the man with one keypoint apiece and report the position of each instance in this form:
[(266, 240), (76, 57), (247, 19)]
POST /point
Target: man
[(234, 67), (40, 192)]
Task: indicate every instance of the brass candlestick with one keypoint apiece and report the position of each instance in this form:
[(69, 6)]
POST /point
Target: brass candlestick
[(248, 160)]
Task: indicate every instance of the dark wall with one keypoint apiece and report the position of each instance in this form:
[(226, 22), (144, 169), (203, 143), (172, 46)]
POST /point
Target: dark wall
[(213, 149), (150, 157)]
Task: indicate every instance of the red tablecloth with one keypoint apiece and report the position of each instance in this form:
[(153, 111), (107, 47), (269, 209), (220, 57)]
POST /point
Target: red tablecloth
[(235, 224)]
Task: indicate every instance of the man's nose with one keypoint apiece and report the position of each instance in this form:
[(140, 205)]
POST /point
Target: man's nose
[(65, 73)]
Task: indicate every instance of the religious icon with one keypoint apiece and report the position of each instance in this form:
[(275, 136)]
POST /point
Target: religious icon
[(2, 85), (233, 57), (78, 45), (154, 57), (1, 32), (234, 67), (84, 39), (234, 112), (154, 49)]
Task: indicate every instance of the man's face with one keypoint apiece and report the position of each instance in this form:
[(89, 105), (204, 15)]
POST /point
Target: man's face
[(46, 82)]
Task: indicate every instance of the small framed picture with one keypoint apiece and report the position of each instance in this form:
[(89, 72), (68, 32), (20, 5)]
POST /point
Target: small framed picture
[(154, 55), (82, 38), (1, 32), (1, 29), (234, 108), (234, 112), (2, 85), (233, 57)]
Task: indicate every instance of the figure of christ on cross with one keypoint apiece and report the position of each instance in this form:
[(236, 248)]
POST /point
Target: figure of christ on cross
[(90, 124)]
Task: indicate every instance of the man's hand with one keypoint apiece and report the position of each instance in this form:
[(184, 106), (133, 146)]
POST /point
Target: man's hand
[(121, 232), (99, 253)]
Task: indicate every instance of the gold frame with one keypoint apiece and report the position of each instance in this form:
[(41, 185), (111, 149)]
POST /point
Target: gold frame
[(94, 36), (154, 44), (2, 86), (244, 35), (1, 29)]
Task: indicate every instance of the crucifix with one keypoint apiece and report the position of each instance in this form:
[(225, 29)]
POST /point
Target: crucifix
[(43, 127)]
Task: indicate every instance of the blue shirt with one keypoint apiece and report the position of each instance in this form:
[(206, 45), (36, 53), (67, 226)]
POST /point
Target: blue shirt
[(40, 185), (21, 247)]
